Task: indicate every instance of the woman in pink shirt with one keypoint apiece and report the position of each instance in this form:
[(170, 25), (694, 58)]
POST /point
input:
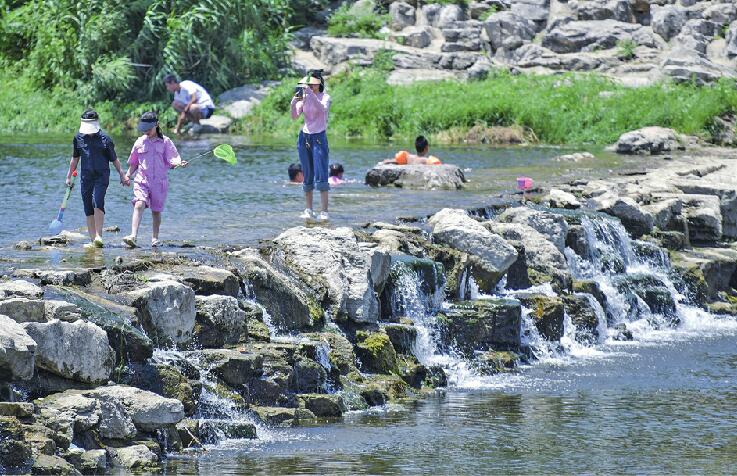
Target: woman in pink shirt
[(152, 156), (313, 103)]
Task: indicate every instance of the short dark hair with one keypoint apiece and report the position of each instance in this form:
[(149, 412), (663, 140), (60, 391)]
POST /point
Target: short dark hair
[(293, 170), (336, 169), (90, 115), (171, 78), (421, 144)]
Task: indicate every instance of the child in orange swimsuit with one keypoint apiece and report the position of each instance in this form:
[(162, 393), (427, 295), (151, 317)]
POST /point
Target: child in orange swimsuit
[(422, 158)]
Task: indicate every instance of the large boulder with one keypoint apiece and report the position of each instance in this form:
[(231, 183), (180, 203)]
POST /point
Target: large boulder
[(649, 289), (727, 193), (148, 411), (206, 280), (20, 288), (23, 310), (133, 458), (402, 15), (429, 177), (547, 313), (486, 324), (577, 36), (233, 367), (704, 217), (219, 321), (629, 212), (553, 227), (376, 352), (17, 351), (323, 405), (215, 124), (649, 140), (238, 102), (78, 351), (536, 10), (288, 302), (449, 15), (166, 310), (557, 198), (667, 20), (455, 228), (508, 30), (583, 316), (334, 257), (545, 263)]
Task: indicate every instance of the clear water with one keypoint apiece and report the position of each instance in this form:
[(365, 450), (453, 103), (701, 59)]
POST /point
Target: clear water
[(213, 203)]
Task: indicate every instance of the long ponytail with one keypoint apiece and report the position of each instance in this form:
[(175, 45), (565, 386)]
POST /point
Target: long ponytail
[(158, 132)]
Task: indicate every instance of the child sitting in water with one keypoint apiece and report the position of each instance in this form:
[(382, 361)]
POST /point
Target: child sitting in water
[(422, 158), (295, 173), (336, 174), (152, 156)]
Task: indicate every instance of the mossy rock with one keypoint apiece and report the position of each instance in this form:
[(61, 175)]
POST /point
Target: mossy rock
[(495, 362), (341, 353), (547, 312), (418, 376), (176, 385), (15, 453), (323, 405), (468, 326), (393, 386), (257, 331), (376, 352)]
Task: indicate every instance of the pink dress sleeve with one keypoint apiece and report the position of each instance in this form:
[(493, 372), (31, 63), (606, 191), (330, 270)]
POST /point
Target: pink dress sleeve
[(171, 155), (133, 158), (296, 108)]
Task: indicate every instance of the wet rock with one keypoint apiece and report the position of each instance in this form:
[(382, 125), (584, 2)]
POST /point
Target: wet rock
[(323, 405), (215, 124), (23, 310), (128, 342), (282, 417), (15, 453), (629, 212), (402, 336), (481, 325), (58, 240), (707, 271), (64, 277), (341, 353), (456, 229), (16, 409), (622, 333), (219, 321), (78, 351), (551, 226), (559, 199), (577, 36), (429, 277), (583, 317), (376, 352), (20, 288), (704, 217), (168, 381), (649, 140), (428, 177), (93, 462), (508, 30), (545, 264), (547, 312), (402, 15), (574, 158), (214, 431), (136, 457), (17, 351), (47, 464), (290, 304), (671, 240), (344, 268), (61, 310), (206, 280), (495, 362), (651, 290), (148, 411), (233, 367), (23, 246), (308, 377), (167, 311)]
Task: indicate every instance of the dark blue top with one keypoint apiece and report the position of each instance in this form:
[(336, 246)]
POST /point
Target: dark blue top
[(96, 151)]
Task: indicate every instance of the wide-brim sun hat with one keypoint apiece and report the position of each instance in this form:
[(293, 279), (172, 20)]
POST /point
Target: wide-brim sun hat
[(147, 122), (308, 80), (90, 122)]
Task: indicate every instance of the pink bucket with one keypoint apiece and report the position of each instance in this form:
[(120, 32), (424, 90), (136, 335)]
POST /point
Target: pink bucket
[(524, 183)]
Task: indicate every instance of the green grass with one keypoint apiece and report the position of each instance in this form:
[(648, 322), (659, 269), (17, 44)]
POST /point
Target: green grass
[(567, 109), (32, 110)]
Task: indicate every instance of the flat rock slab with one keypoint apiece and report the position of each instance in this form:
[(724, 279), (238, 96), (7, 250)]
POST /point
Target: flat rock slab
[(428, 177)]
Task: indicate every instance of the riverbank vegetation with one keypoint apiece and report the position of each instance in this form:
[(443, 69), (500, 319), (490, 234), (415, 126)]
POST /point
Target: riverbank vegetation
[(567, 109)]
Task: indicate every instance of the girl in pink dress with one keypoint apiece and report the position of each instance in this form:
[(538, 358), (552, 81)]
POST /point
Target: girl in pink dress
[(152, 156)]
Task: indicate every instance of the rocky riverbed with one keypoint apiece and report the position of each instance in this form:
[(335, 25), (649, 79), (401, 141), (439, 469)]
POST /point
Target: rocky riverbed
[(117, 366)]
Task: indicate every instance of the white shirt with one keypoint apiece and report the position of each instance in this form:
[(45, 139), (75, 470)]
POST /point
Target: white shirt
[(187, 89)]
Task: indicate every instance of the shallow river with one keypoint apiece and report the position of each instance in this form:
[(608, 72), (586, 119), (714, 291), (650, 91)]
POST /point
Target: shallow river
[(664, 404), (211, 202)]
